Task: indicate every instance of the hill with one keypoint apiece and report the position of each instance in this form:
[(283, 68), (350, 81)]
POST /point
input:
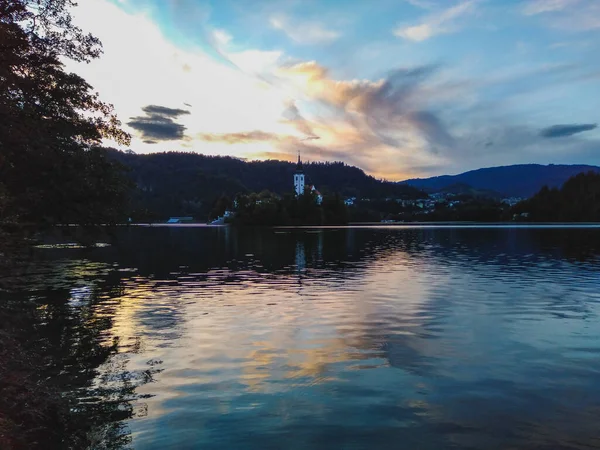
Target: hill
[(189, 184), (578, 200), (522, 180)]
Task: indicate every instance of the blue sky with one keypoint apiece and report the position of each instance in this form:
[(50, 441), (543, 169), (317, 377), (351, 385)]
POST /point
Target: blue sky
[(400, 88)]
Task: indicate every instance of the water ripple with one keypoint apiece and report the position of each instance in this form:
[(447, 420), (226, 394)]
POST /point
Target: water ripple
[(358, 338)]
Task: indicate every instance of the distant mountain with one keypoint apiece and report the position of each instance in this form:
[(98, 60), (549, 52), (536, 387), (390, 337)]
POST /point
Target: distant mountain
[(189, 184), (522, 180)]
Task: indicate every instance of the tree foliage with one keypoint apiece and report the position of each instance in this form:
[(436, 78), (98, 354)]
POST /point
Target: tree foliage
[(270, 209), (578, 200), (51, 121)]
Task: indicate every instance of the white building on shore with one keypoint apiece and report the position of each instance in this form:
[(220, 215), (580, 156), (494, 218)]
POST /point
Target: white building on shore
[(299, 182)]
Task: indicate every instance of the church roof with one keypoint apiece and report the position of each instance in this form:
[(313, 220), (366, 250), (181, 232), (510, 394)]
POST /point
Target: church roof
[(299, 168), (314, 189)]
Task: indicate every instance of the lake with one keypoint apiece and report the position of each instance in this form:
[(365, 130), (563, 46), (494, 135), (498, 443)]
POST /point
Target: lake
[(347, 338)]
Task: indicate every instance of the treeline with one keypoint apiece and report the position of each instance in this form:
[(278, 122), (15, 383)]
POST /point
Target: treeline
[(578, 200), (466, 209), (190, 184), (268, 209), (471, 209)]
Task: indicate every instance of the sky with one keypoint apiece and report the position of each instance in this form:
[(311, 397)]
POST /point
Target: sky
[(399, 88)]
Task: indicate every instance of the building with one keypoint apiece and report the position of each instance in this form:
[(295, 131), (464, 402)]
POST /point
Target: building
[(222, 220), (180, 219), (299, 182), (314, 190), (299, 178)]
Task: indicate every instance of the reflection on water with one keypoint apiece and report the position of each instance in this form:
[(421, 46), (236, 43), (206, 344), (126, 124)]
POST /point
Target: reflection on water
[(336, 338)]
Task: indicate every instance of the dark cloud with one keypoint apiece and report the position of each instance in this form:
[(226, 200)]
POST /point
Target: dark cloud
[(397, 104), (382, 112), (164, 111), (399, 92), (156, 128), (567, 130), (158, 124), (432, 127)]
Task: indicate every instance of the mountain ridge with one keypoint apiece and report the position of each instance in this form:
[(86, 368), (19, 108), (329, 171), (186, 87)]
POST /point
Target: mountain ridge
[(518, 180)]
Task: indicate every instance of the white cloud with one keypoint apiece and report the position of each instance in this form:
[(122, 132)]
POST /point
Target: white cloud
[(544, 6), (222, 37), (416, 33), (255, 61), (434, 24), (424, 4), (570, 15), (304, 32), (144, 68)]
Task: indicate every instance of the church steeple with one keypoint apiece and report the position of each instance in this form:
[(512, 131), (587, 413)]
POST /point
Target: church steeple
[(299, 168), (299, 177)]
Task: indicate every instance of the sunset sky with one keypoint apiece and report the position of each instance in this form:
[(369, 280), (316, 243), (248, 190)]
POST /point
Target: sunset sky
[(399, 88)]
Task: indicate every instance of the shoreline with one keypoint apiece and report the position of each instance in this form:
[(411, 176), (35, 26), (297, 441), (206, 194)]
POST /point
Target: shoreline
[(392, 225)]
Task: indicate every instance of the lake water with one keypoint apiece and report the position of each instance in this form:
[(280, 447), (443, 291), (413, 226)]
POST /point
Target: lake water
[(351, 338)]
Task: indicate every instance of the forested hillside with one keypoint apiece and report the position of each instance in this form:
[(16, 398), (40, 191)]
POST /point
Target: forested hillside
[(577, 201), (522, 180), (189, 184)]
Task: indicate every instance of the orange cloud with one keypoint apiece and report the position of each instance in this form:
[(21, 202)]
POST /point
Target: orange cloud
[(239, 138)]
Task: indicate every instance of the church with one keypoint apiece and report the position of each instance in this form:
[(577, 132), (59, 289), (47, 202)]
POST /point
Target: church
[(299, 182)]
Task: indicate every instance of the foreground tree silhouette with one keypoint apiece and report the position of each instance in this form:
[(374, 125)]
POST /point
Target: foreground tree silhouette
[(52, 170), (52, 123)]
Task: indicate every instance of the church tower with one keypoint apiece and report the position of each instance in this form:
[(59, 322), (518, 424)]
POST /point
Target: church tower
[(299, 178)]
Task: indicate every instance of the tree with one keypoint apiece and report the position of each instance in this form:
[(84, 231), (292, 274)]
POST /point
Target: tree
[(578, 200), (334, 210), (52, 123), (222, 204)]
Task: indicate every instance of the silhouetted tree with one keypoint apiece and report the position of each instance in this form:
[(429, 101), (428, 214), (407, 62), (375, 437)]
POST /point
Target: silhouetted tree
[(51, 122), (221, 205), (578, 200), (270, 209)]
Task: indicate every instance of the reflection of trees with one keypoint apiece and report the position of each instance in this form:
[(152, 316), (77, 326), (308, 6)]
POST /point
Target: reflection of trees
[(63, 339)]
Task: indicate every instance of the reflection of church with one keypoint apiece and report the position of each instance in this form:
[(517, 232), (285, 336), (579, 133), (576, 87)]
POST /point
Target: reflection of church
[(299, 182)]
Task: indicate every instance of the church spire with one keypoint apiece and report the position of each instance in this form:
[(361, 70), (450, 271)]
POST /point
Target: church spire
[(299, 165)]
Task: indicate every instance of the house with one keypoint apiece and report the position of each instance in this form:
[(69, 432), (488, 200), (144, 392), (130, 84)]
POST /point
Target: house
[(180, 219), (317, 193), (222, 220)]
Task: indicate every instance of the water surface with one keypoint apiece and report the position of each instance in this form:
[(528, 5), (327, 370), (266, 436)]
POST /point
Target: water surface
[(349, 338)]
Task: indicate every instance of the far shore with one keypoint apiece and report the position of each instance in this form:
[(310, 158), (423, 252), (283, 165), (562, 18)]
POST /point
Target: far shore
[(385, 225)]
